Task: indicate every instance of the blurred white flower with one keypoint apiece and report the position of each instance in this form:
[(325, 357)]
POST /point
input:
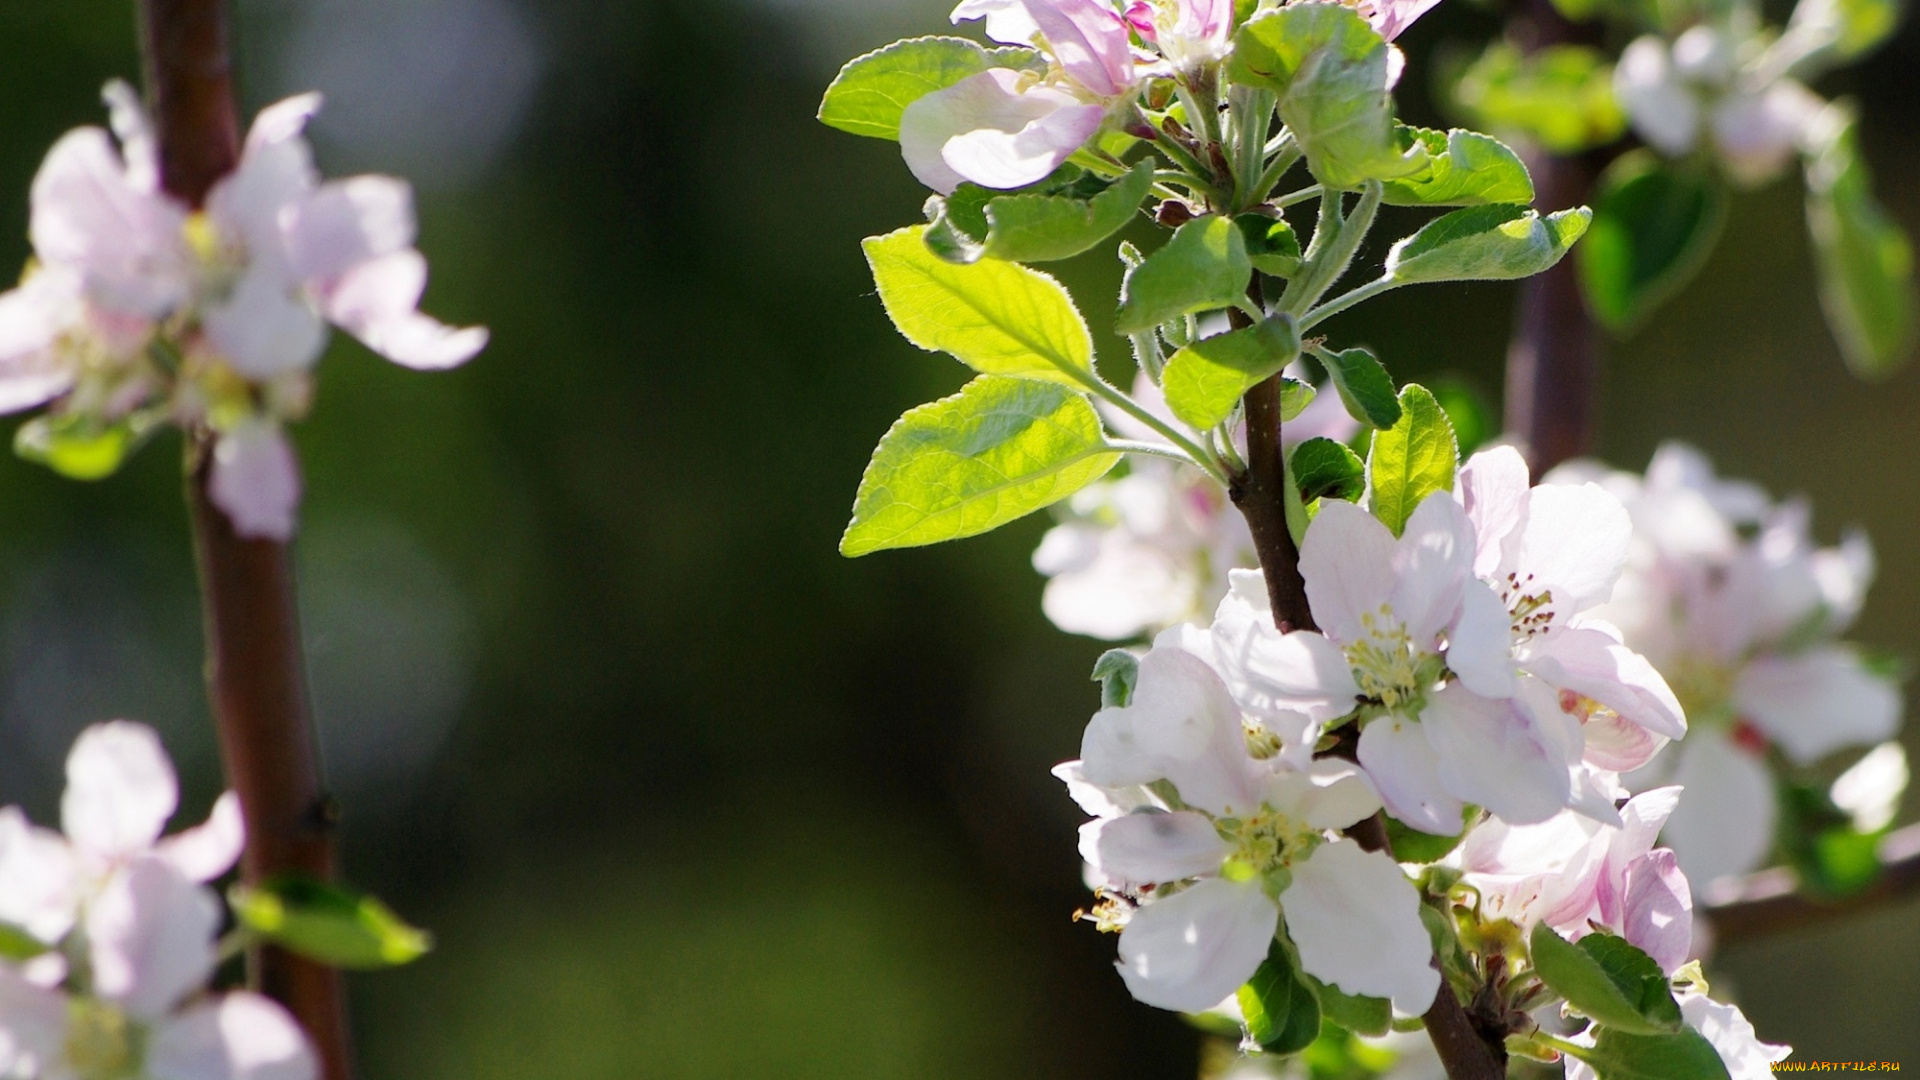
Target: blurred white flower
[(1674, 94)]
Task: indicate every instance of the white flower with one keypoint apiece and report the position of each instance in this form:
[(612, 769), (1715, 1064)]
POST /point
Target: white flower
[(1870, 790), (1240, 851), (1672, 94)]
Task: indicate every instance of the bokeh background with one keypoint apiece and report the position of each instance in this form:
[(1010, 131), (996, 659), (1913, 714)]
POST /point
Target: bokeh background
[(681, 792)]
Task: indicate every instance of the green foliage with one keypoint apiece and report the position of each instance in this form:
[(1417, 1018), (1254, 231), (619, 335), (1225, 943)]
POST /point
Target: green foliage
[(1412, 459), (1356, 1013), (1679, 1055), (997, 318), (871, 91), (1364, 386), (328, 924), (1204, 381), (79, 447), (1325, 469), (1039, 227), (1560, 97), (1832, 858), (1486, 243), (1606, 979), (1281, 1012), (1272, 245), (1203, 268), (1473, 419), (1464, 168), (1865, 260), (1411, 845), (1116, 671), (17, 945), (1330, 71), (1653, 227), (967, 464)]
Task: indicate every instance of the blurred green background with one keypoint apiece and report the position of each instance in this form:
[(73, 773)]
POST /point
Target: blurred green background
[(681, 792)]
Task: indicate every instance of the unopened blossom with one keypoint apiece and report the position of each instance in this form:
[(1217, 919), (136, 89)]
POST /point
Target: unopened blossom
[(1674, 95), (1391, 17), (1205, 851), (1574, 874), (137, 304), (1007, 128), (1726, 592), (1190, 34)]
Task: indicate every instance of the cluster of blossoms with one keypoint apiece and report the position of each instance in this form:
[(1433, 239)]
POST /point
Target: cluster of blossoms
[(1727, 593), (137, 309), (120, 934)]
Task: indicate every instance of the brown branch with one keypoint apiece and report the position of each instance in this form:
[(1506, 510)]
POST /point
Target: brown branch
[(1770, 902), (256, 666), (1260, 494)]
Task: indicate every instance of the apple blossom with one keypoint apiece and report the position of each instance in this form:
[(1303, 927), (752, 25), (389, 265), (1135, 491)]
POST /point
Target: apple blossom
[(1674, 95), (1234, 849)]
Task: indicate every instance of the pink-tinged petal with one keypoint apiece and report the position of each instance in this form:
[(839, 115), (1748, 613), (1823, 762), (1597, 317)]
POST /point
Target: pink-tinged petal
[(1592, 664), (127, 116), (1139, 15), (32, 319), (1658, 915), (1619, 745), (997, 101), (264, 327), (209, 849), (346, 222), (1732, 1035), (88, 216), (1271, 672), (1010, 159), (1497, 753), (1347, 561), (1573, 545), (1432, 563), (1480, 644), (256, 480), (1818, 701), (1153, 847), (1007, 20), (1757, 134), (1089, 40), (1590, 798), (1190, 950), (1404, 770), (1493, 486), (151, 938), (283, 121), (241, 1036), (1390, 17), (1326, 794), (1548, 872), (120, 789), (248, 206), (38, 887), (378, 303), (1356, 921), (1724, 823), (33, 1027)]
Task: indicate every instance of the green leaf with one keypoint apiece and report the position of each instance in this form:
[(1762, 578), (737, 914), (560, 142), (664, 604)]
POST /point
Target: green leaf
[(1412, 459), (1330, 70), (329, 924), (1486, 243), (871, 91), (1203, 268), (1204, 381), (16, 945), (1865, 259), (967, 464), (1464, 168), (1365, 387), (1560, 97), (1606, 979), (1410, 845), (997, 318), (1043, 228), (1281, 1012), (1680, 1055), (1356, 1013), (1295, 396), (1272, 245), (1653, 227), (1116, 671), (1832, 858), (1325, 469), (79, 447), (1473, 419)]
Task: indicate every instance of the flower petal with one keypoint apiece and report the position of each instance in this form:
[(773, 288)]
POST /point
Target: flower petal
[(1402, 765), (209, 849), (241, 1036), (89, 216), (1189, 950), (1347, 561), (1590, 663), (263, 327), (120, 789), (1270, 672), (150, 932), (1818, 701), (1089, 41), (347, 222), (1659, 910), (1326, 794), (1356, 921), (1153, 846), (378, 302), (1480, 644), (1573, 545), (1724, 823), (1497, 753), (1432, 563), (33, 1026), (256, 480), (38, 890), (1732, 1035)]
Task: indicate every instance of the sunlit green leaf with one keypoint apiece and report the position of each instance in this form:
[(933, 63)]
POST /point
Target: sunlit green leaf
[(17, 945), (79, 447), (1356, 1013), (1464, 168), (1606, 979), (1281, 1012), (1203, 268), (1486, 243), (1410, 460), (1679, 1055), (996, 317), (871, 91), (329, 924), (1272, 244), (1204, 381), (1560, 97), (1865, 259), (1653, 227), (1116, 671), (967, 464), (1364, 386), (1323, 468)]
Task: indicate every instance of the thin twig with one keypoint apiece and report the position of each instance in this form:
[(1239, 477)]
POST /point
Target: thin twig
[(1771, 902), (256, 667)]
